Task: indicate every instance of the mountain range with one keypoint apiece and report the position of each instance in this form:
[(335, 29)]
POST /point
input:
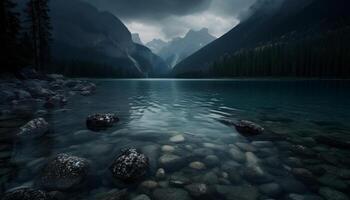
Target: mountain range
[(98, 44), (273, 34), (181, 47)]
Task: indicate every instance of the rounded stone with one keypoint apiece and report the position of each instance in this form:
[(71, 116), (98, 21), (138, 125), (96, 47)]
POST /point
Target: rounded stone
[(197, 165), (211, 160), (34, 128), (168, 148), (64, 172), (97, 122), (271, 189), (170, 194), (130, 165), (248, 128), (197, 189), (160, 174), (178, 180), (171, 162), (26, 194), (149, 184), (330, 194), (177, 139)]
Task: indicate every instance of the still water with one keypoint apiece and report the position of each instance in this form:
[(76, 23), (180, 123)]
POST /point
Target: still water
[(152, 111)]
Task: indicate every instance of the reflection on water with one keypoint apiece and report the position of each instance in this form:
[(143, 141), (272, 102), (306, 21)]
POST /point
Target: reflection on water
[(151, 111)]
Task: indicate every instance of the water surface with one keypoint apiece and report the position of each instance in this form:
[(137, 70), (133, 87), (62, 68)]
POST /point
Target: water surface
[(152, 111)]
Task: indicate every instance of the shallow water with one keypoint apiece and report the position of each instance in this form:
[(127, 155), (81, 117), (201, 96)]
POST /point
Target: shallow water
[(152, 111)]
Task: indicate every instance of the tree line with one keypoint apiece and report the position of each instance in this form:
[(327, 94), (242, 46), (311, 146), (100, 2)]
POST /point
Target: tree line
[(324, 55), (25, 35)]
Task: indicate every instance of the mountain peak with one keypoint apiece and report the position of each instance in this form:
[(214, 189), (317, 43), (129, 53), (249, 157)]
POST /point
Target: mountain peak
[(203, 31), (136, 38)]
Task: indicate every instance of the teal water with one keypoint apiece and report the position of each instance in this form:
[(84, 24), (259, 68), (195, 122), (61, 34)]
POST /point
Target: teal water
[(152, 111)]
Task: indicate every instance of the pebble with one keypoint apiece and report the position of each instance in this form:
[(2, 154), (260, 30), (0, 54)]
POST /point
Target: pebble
[(171, 162), (178, 180), (245, 147), (197, 165), (244, 192), (210, 178), (168, 149), (197, 189), (333, 182), (160, 174), (211, 160), (252, 160), (149, 184), (271, 189), (330, 194), (177, 139), (170, 194), (237, 155)]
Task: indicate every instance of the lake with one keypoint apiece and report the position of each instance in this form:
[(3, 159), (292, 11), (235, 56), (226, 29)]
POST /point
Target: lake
[(290, 160)]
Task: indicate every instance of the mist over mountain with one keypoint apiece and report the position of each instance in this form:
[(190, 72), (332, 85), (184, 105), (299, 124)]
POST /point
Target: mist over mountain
[(136, 38), (100, 39), (180, 48), (277, 24), (156, 45)]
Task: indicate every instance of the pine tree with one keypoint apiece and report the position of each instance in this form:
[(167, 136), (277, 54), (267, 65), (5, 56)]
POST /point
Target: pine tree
[(40, 31), (9, 29)]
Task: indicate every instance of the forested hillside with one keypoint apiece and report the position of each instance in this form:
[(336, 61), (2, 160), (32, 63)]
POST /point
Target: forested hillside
[(292, 39), (326, 55)]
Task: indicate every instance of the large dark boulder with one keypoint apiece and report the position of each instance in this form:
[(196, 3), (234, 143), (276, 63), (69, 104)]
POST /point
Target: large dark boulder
[(64, 172), (34, 128), (97, 122), (130, 166), (26, 194), (248, 128)]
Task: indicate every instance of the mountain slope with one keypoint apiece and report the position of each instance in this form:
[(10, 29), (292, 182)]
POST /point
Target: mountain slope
[(99, 39), (136, 38), (156, 45), (180, 48), (288, 19)]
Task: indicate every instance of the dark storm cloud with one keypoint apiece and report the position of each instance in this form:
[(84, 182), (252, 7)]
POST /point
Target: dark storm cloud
[(152, 9), (167, 19)]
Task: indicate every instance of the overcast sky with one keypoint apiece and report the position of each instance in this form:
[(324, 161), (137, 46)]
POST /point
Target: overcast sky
[(166, 19)]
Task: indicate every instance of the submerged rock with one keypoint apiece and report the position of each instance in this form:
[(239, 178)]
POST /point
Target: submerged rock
[(211, 160), (99, 122), (130, 166), (177, 138), (197, 165), (55, 101), (197, 189), (64, 172), (116, 195), (171, 162), (26, 194), (171, 194), (304, 175), (244, 192), (34, 128), (330, 194), (248, 128), (160, 174), (178, 180), (149, 185), (271, 189)]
